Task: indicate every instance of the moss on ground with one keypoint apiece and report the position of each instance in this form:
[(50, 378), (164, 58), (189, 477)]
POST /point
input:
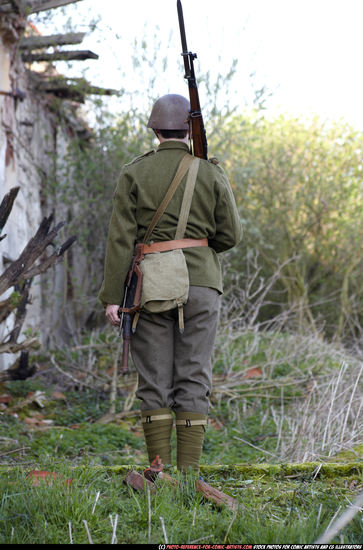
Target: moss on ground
[(306, 471), (346, 456)]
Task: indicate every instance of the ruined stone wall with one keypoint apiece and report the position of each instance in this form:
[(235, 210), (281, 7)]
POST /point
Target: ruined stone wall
[(31, 138)]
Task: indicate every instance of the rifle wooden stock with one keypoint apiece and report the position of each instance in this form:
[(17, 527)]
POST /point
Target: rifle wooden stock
[(199, 138)]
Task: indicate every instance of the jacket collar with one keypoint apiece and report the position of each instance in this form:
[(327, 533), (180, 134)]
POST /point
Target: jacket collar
[(173, 145)]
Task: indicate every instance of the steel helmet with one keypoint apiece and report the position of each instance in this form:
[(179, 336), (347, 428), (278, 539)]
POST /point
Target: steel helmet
[(170, 112)]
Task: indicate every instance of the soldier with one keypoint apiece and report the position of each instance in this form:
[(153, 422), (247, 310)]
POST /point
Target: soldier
[(174, 369)]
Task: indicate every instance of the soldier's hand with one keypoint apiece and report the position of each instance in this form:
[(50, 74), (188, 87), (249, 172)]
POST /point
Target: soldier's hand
[(112, 314)]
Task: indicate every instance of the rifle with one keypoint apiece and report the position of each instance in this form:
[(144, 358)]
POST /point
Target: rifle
[(130, 306), (200, 146)]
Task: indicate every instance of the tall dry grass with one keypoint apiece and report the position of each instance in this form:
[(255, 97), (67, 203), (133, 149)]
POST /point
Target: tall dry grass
[(309, 387)]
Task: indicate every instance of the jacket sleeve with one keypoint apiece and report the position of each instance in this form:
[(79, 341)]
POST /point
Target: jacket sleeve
[(228, 224), (120, 241)]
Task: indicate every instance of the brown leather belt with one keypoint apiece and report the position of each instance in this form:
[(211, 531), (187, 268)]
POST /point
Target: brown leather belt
[(164, 246)]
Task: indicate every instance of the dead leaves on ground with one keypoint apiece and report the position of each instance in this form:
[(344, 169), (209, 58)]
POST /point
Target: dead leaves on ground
[(253, 372), (28, 408), (37, 476)]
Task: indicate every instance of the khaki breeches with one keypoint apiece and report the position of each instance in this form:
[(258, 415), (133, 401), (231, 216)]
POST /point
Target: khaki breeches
[(175, 370)]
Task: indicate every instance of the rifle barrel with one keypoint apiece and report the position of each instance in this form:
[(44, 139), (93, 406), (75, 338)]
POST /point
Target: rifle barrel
[(126, 343)]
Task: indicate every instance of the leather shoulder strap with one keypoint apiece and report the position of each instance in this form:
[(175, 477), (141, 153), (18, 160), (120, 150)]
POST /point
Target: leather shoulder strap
[(183, 167), (187, 198)]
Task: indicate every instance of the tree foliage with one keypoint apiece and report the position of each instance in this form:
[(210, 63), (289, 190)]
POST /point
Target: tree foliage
[(298, 184)]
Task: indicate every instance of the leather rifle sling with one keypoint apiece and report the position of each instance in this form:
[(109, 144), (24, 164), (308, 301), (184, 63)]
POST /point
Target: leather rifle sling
[(183, 218), (187, 198), (183, 167)]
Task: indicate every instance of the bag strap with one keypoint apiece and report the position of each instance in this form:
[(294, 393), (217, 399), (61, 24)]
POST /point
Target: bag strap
[(183, 167), (187, 199)]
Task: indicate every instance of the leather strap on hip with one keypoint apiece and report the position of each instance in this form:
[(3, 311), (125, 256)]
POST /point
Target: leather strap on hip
[(164, 246)]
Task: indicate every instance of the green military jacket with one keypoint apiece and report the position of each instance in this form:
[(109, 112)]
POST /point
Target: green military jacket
[(141, 187)]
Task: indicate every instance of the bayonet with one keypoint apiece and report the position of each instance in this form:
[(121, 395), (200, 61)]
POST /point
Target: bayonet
[(185, 53), (200, 146)]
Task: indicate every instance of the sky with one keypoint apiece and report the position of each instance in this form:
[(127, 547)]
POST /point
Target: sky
[(306, 53)]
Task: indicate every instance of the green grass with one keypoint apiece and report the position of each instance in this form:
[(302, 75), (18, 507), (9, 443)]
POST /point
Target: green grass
[(277, 504), (271, 511), (77, 434)]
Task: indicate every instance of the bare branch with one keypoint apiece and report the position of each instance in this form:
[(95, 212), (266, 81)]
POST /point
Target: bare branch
[(35, 247), (20, 312), (14, 348), (49, 260), (7, 205)]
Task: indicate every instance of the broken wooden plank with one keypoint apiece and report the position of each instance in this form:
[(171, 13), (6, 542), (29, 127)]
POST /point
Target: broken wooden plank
[(34, 42), (16, 94), (155, 468), (36, 6), (209, 493), (167, 477), (65, 55), (138, 482), (10, 6), (26, 7), (68, 88), (217, 497), (61, 87), (155, 472)]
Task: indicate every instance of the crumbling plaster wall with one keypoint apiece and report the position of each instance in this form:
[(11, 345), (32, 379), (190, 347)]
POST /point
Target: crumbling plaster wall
[(31, 138)]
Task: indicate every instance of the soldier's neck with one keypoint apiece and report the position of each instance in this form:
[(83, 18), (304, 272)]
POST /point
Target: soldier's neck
[(163, 140)]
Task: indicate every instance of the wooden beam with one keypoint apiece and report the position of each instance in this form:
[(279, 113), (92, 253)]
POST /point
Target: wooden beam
[(36, 6), (68, 88), (26, 7), (35, 42), (10, 6), (72, 55)]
